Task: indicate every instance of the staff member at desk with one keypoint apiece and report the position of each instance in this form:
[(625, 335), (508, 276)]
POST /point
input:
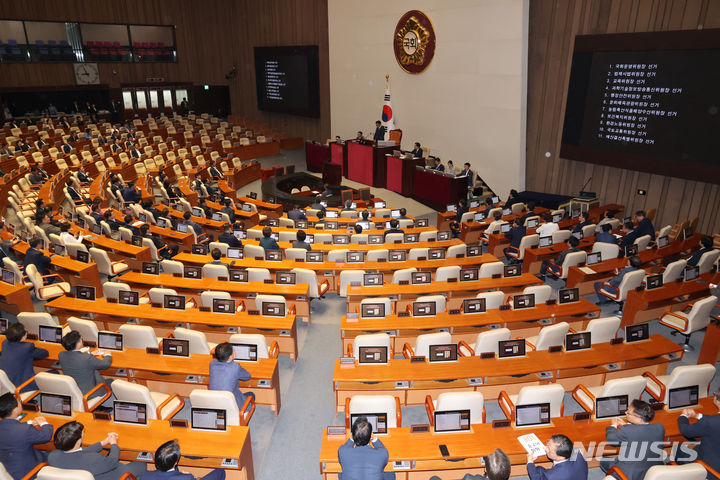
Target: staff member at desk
[(559, 449), (167, 457), (635, 263), (466, 172), (300, 242), (380, 130), (438, 166), (417, 152), (359, 460), (81, 365), (228, 238), (36, 257), (267, 242), (707, 429)]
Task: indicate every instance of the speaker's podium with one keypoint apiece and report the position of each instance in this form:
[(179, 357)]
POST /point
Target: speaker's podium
[(401, 172), (366, 162)]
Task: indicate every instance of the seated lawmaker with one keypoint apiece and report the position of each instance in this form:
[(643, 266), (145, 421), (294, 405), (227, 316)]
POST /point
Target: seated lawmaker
[(605, 236), (130, 193), (547, 228), (320, 219), (361, 460), (18, 438), (394, 228), (17, 356), (438, 166), (35, 257), (300, 242), (297, 214), (70, 454), (417, 152), (565, 466), (229, 210), (228, 238), (644, 225), (84, 367), (608, 215), (225, 373), (553, 267), (630, 235), (164, 250), (267, 242), (513, 198), (460, 210), (348, 207), (74, 194), (635, 263), (528, 212), (583, 221), (167, 457), (516, 233), (403, 215), (707, 430), (706, 244)]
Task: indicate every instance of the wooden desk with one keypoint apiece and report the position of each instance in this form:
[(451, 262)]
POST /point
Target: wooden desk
[(523, 323), (294, 294), (202, 451), (209, 226), (72, 271), (533, 257), (470, 447), (331, 270), (316, 155), (406, 246), (15, 298), (455, 292), (437, 190), (585, 282), (217, 326), (651, 304), (169, 375), (272, 210), (491, 376)]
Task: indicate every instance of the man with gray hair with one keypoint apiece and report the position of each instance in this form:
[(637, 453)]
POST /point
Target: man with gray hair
[(497, 467)]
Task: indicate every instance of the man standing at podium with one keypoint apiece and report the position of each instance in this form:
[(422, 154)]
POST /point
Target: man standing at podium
[(379, 131)]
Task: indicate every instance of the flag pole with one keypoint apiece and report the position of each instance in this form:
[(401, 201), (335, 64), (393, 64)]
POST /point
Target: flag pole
[(387, 80)]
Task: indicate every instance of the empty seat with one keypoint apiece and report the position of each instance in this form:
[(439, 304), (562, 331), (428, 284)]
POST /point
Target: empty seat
[(485, 342), (602, 330), (529, 395), (139, 336), (692, 320), (197, 340), (549, 336), (446, 401), (222, 400), (423, 343), (370, 340), (160, 406)]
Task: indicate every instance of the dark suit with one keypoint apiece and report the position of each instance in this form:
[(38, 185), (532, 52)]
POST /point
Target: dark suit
[(16, 446), (639, 458), (568, 470), (297, 214), (66, 148), (467, 173), (16, 360), (605, 237), (629, 238), (439, 167), (83, 368), (558, 261), (130, 194), (526, 216), (707, 429), (83, 177), (39, 259), (74, 193), (269, 243), (417, 153), (391, 230), (230, 213), (693, 261), (98, 218), (645, 227), (135, 153), (579, 226), (515, 235), (379, 133), (363, 463), (36, 178), (615, 281), (215, 173), (117, 148), (174, 474), (299, 244), (103, 467), (229, 239)]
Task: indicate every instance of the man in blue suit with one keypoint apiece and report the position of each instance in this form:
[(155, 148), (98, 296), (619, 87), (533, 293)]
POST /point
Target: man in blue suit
[(707, 429), (18, 355), (467, 173), (635, 263), (644, 225), (605, 236), (516, 233), (166, 459), (17, 438), (559, 449), (359, 459), (706, 246)]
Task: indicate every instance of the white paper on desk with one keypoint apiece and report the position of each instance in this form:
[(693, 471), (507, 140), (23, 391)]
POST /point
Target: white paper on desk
[(587, 270), (532, 444)]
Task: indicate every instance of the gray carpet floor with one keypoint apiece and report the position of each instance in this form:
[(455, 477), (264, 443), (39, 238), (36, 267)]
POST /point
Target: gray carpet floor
[(288, 446)]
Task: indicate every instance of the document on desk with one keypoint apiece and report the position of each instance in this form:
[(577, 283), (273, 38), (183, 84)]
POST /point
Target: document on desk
[(587, 270), (532, 444)]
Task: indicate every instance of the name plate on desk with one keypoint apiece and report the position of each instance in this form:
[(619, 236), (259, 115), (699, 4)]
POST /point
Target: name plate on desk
[(403, 282), (403, 314), (145, 456), (101, 416), (402, 384), (152, 350), (475, 381), (581, 416), (452, 280), (264, 382), (501, 424), (178, 423), (229, 463), (550, 301), (402, 464), (657, 406), (420, 428), (347, 361), (111, 300), (616, 341), (336, 431), (417, 359), (204, 309), (555, 349), (504, 307), (487, 355), (455, 311)]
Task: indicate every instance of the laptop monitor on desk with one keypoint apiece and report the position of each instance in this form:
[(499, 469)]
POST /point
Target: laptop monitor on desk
[(238, 275), (611, 407), (451, 421), (110, 341), (8, 276), (49, 334), (531, 223), (683, 397), (378, 421), (545, 241), (420, 278), (128, 298), (654, 281), (577, 341), (150, 268), (525, 300), (691, 273), (512, 271), (129, 412), (593, 258), (376, 355), (245, 352), (443, 353), (175, 347), (373, 279), (372, 310), (223, 305), (511, 348), (423, 309), (532, 415), (273, 309), (473, 305), (637, 333), (568, 295), (208, 419), (52, 404), (469, 274), (175, 302)]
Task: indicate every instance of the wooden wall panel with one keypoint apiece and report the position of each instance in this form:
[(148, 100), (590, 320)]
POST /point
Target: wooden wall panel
[(553, 26), (211, 36)]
